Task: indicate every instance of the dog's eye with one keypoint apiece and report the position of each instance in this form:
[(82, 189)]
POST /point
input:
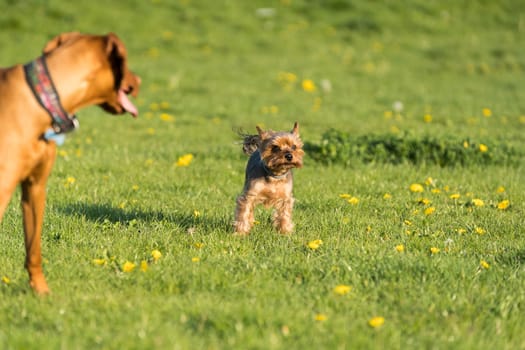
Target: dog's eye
[(294, 147), (275, 149)]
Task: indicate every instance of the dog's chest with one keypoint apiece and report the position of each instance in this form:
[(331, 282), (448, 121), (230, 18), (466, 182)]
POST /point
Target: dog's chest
[(269, 192), (36, 155)]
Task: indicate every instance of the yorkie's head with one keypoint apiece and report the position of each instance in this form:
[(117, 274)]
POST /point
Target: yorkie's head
[(280, 151)]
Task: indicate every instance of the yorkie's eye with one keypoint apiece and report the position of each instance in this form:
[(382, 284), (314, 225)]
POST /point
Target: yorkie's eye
[(294, 147), (275, 149)]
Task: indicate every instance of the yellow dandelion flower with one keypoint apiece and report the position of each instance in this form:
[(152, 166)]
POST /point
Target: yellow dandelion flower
[(435, 190), (369, 67), (434, 250), (500, 189), (290, 77), (400, 248), (504, 204), (416, 188), (184, 160), (143, 266), (484, 264), (369, 229), (407, 222), (166, 117), (455, 196), (164, 105), (424, 201), (429, 210), (353, 200), (345, 196), (342, 289), (287, 78), (461, 231), (345, 220), (148, 162), (156, 255), (70, 180), (483, 148), (198, 245), (195, 259), (388, 114), (6, 280), (387, 196), (427, 118), (478, 202), (430, 181), (479, 230), (154, 106), (317, 104), (308, 85), (274, 109), (100, 262), (465, 144), (320, 317), (196, 213), (315, 244), (486, 112), (128, 266), (376, 322), (153, 52), (135, 187)]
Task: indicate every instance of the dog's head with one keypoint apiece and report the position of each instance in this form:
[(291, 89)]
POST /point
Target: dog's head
[(281, 151), (112, 89)]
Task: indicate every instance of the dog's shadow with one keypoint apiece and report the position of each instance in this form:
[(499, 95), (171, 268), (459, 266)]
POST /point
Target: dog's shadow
[(104, 212)]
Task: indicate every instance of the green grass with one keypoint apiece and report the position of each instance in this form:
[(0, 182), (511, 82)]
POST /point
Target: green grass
[(216, 66)]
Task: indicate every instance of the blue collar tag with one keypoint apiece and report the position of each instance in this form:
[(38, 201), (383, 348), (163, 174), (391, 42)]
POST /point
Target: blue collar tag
[(51, 135)]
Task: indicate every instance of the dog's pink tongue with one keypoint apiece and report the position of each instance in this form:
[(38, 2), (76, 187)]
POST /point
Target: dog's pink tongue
[(127, 104)]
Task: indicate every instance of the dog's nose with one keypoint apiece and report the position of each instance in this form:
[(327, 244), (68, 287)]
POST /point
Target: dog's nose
[(288, 157)]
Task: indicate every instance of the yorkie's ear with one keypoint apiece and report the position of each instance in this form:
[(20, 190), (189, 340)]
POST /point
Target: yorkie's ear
[(295, 129), (262, 134)]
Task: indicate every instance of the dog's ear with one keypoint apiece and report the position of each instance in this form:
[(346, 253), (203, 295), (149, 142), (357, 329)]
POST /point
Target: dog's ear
[(117, 56), (115, 46), (59, 40), (295, 129), (262, 134)]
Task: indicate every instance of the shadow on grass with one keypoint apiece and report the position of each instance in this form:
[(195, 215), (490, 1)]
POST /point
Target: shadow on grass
[(515, 258), (101, 213)]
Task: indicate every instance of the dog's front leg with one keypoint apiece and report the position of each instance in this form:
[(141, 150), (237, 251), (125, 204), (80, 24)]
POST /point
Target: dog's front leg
[(244, 214), (33, 204), (282, 216)]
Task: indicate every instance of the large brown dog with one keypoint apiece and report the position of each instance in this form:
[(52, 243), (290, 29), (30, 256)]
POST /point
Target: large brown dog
[(84, 70)]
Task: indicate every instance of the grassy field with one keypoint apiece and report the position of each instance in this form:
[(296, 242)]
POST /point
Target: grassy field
[(408, 256)]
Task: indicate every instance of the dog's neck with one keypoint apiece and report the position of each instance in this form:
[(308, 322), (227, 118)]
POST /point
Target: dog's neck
[(270, 174), (38, 78)]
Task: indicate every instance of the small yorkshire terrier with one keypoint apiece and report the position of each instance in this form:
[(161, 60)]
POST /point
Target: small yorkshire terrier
[(269, 178)]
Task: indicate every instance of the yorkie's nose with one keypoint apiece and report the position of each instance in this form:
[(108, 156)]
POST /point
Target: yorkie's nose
[(288, 157)]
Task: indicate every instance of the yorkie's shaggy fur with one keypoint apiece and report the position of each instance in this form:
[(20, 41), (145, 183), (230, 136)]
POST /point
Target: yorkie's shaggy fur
[(269, 178)]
